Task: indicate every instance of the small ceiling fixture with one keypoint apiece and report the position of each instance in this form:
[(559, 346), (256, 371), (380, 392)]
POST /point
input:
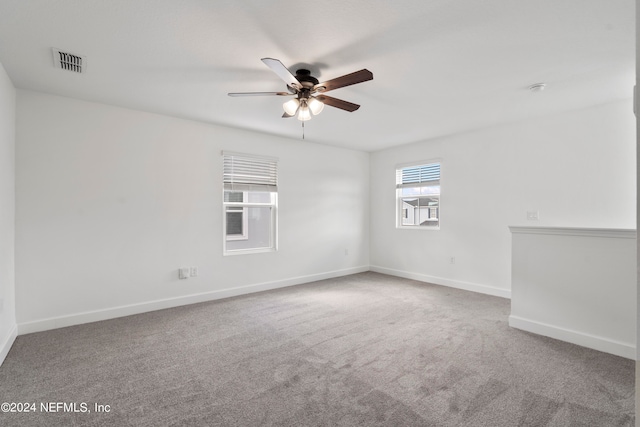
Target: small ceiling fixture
[(308, 91), (538, 87)]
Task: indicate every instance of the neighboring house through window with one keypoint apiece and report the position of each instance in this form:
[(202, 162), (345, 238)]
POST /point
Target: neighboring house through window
[(237, 217), (418, 195), (250, 203)]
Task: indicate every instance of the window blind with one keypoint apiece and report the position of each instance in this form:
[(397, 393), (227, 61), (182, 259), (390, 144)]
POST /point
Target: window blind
[(418, 176), (247, 173)]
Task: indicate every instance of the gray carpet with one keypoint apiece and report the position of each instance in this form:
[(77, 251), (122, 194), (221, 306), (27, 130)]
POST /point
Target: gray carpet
[(363, 350)]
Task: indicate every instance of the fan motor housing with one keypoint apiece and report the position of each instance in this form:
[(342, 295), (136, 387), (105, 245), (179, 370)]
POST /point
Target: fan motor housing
[(304, 76)]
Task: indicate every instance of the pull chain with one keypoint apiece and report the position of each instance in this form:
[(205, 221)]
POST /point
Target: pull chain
[(302, 130)]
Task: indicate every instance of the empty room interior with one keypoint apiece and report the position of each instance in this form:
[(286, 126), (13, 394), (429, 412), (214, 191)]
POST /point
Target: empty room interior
[(318, 213)]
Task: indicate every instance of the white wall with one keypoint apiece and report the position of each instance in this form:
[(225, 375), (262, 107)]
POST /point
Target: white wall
[(8, 329), (111, 202), (576, 169)]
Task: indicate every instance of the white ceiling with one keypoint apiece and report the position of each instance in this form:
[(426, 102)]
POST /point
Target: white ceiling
[(440, 66)]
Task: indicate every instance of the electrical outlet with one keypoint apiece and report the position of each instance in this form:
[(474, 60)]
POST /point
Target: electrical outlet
[(532, 215), (193, 271), (452, 260)]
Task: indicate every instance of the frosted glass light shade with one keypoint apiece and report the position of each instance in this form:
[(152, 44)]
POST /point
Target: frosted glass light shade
[(304, 114), (315, 106), (290, 107)]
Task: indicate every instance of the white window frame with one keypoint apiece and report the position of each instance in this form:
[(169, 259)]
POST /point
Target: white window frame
[(258, 180), (400, 209)]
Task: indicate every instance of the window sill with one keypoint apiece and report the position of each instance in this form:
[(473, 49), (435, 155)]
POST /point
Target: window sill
[(248, 251), (417, 227), (236, 238)]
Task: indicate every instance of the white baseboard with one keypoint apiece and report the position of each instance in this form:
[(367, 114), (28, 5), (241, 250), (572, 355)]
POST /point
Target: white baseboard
[(8, 342), (127, 310), (467, 286), (603, 344)]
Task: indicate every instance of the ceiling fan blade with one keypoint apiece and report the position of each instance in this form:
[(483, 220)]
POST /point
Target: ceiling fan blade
[(346, 80), (286, 116), (338, 103), (282, 72), (261, 94)]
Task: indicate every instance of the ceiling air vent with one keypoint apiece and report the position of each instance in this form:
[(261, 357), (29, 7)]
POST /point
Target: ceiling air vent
[(69, 61)]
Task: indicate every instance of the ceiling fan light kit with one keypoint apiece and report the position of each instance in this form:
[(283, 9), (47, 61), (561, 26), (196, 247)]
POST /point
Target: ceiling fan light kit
[(308, 90), (303, 107)]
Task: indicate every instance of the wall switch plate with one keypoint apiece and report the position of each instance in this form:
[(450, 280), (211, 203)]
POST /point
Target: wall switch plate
[(532, 215), (193, 271), (183, 273)]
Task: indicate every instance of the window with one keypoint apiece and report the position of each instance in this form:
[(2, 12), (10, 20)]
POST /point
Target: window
[(418, 196), (250, 203)]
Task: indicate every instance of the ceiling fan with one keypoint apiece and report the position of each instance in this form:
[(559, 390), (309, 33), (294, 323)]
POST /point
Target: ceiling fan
[(308, 91)]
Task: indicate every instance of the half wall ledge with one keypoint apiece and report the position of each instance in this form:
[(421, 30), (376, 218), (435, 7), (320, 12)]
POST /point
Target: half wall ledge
[(577, 285)]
